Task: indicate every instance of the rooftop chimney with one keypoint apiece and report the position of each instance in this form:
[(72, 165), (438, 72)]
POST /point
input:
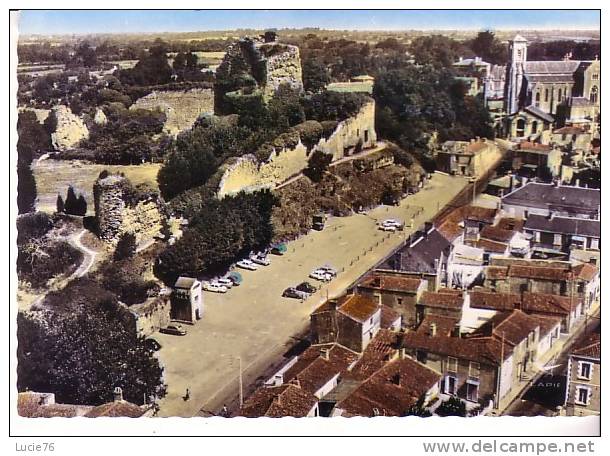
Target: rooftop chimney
[(433, 329), (377, 281), (325, 353), (118, 394)]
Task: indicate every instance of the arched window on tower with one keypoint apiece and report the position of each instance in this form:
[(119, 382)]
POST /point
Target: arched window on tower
[(537, 103), (593, 95), (546, 95)]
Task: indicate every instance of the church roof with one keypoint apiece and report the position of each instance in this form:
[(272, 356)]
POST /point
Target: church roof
[(552, 67), (550, 78)]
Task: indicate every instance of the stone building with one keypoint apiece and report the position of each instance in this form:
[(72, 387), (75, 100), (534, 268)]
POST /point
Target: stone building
[(187, 300), (472, 159), (541, 94), (583, 391), (352, 321), (537, 160), (395, 291)]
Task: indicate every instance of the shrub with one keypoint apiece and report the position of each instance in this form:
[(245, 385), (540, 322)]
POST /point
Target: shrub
[(126, 247), (317, 165)]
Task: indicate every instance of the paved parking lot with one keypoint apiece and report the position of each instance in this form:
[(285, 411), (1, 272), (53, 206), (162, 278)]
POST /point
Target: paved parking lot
[(255, 323)]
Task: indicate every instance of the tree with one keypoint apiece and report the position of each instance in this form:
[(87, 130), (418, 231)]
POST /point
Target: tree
[(82, 356), (489, 48), (317, 165), (33, 140), (74, 205), (126, 247), (315, 75), (60, 204), (453, 406), (419, 409)]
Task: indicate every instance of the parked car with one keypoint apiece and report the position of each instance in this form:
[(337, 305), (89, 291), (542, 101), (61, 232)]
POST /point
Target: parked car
[(279, 249), (328, 269), (173, 329), (306, 287), (260, 259), (321, 276), (214, 287), (225, 281), (152, 344), (235, 277), (390, 228), (247, 264), (294, 293)]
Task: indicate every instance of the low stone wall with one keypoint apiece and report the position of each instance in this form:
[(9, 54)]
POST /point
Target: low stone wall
[(246, 173), (182, 108)]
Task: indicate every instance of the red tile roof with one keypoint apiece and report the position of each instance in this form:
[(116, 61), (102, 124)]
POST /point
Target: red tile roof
[(357, 307), (486, 299), (313, 370), (489, 245), (379, 351), (279, 401), (484, 350), (444, 325), (445, 300), (512, 327), (495, 233), (548, 303), (381, 281), (388, 316), (117, 409), (585, 271), (496, 272), (391, 390), (590, 347)]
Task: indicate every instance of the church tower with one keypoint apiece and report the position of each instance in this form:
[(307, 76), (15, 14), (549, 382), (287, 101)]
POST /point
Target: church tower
[(517, 48)]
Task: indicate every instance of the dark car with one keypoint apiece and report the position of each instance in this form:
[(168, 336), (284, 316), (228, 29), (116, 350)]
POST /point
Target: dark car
[(294, 293), (175, 330), (152, 344), (306, 287)]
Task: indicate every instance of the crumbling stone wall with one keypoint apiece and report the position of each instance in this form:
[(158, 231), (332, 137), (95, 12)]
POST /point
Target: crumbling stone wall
[(120, 209), (283, 68), (246, 173), (266, 65), (181, 108), (70, 129)]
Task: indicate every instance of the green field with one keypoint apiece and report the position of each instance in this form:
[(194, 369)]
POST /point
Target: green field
[(54, 176)]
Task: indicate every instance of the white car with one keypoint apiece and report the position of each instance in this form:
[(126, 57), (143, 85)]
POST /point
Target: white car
[(225, 282), (214, 287), (258, 259), (247, 264), (321, 276), (392, 222), (390, 228), (328, 270)]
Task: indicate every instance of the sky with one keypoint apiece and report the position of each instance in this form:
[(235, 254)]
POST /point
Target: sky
[(56, 22)]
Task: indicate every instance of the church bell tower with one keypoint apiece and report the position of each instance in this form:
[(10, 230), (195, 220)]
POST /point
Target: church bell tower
[(517, 48)]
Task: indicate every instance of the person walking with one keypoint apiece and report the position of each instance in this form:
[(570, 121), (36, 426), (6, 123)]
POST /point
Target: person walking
[(187, 396)]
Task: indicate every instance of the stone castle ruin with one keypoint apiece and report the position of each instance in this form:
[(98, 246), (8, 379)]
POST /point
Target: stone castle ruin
[(181, 107), (249, 174), (69, 130), (258, 65), (122, 208)]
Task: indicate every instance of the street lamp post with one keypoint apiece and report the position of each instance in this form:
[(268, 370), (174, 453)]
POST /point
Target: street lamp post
[(241, 385)]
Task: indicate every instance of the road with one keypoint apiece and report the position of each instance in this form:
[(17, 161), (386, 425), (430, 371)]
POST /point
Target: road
[(547, 392), (253, 322)]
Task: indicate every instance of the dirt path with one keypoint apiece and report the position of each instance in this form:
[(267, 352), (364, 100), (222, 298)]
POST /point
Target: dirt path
[(89, 255)]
